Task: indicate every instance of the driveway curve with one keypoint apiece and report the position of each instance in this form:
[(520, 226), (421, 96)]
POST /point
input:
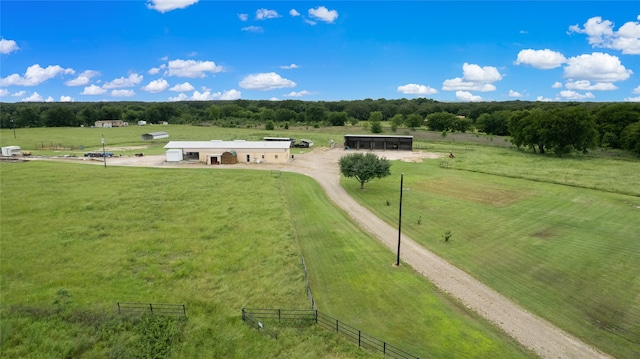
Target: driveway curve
[(531, 331)]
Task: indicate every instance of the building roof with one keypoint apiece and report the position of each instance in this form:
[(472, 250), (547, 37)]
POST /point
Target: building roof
[(379, 136), (229, 145)]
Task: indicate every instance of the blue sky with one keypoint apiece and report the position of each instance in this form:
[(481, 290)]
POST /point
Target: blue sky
[(172, 50)]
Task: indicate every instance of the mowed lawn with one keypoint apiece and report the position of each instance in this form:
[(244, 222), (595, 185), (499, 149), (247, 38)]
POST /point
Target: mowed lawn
[(353, 278), (568, 254), (79, 238)]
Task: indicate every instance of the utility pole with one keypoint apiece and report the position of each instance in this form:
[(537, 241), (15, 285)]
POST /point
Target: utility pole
[(400, 219), (104, 154)]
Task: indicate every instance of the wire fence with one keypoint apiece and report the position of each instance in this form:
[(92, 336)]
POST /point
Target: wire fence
[(257, 316), (153, 308)]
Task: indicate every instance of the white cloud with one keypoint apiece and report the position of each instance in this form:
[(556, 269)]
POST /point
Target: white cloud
[(36, 97), (415, 89), (632, 99), (586, 85), (298, 93), (323, 14), (180, 97), (459, 84), (292, 66), (294, 12), (467, 96), (83, 79), (123, 93), (232, 94), (192, 54), (600, 33), (543, 99), (8, 46), (20, 93), (252, 29), (557, 85), (66, 99), (156, 70), (35, 75), (4, 92), (310, 22), (262, 14), (515, 94), (475, 73), (541, 59), (265, 82), (599, 67), (168, 5), (182, 87), (243, 17), (203, 96), (475, 78), (93, 90), (131, 81), (207, 95), (274, 99), (192, 68), (636, 91), (572, 95), (155, 86)]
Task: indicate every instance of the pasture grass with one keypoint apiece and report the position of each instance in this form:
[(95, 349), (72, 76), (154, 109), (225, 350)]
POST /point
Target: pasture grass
[(566, 252), (77, 239)]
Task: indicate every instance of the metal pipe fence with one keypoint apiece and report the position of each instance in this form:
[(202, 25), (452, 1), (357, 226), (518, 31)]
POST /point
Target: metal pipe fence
[(354, 335)]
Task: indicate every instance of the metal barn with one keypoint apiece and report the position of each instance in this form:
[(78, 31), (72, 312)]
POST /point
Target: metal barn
[(378, 142)]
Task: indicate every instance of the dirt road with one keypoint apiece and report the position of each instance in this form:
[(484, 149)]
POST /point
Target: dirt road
[(529, 330)]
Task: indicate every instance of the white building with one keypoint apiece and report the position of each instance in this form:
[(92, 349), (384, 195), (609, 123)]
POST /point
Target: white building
[(11, 151), (228, 152)]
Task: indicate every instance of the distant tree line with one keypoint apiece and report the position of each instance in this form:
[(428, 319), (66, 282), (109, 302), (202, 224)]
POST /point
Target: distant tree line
[(557, 127)]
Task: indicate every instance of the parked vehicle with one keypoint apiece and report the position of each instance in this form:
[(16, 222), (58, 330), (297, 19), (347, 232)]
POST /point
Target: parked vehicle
[(98, 154)]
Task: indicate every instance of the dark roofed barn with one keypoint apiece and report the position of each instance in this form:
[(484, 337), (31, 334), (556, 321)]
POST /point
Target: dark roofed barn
[(378, 142)]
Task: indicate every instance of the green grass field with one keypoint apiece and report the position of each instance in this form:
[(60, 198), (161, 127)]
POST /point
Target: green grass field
[(570, 254), (557, 235), (77, 239)]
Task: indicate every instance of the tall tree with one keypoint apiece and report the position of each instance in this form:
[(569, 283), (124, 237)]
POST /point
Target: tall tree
[(60, 116), (374, 122), (495, 123), (396, 121), (338, 118), (569, 128), (414, 121), (441, 121), (29, 117), (315, 114), (631, 138), (213, 113), (364, 167)]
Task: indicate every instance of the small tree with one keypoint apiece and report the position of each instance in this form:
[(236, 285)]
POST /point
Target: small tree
[(364, 167), (270, 126), (374, 122)]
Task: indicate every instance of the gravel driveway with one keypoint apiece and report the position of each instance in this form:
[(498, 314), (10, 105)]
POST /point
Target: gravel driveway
[(322, 164)]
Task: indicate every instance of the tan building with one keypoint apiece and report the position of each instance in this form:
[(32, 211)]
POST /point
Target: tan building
[(228, 152)]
